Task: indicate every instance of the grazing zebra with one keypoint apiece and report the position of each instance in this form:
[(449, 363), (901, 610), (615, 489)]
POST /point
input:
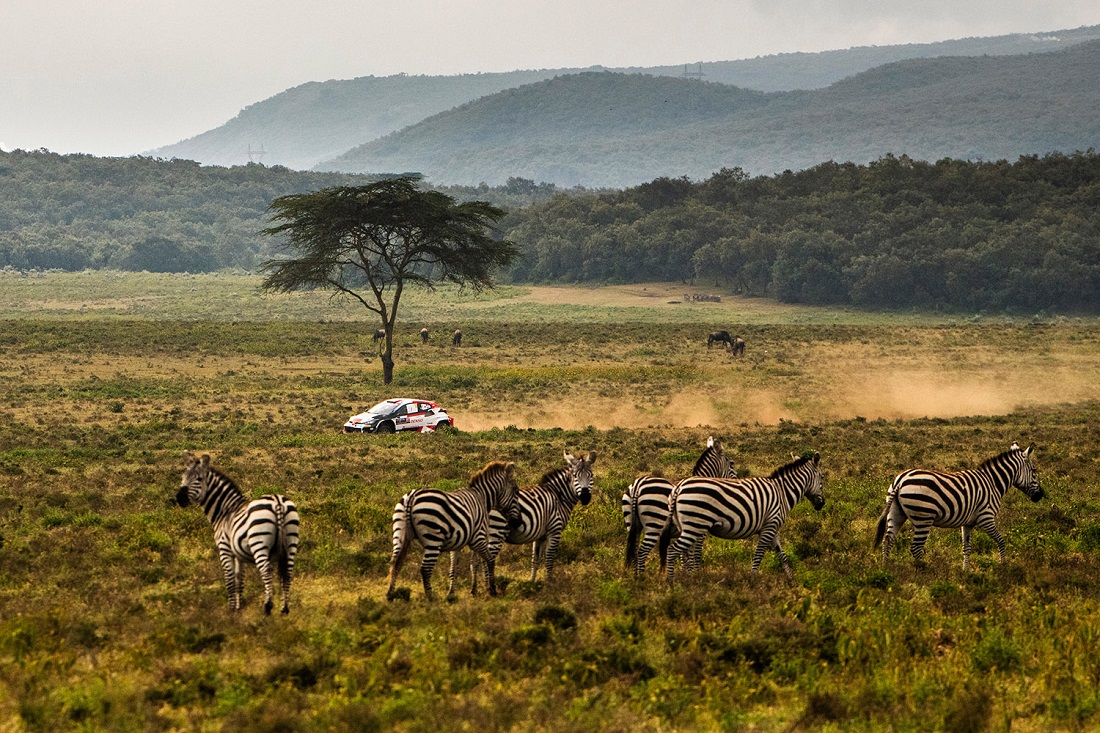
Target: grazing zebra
[(263, 531), (645, 505), (456, 338), (738, 508), (720, 336), (542, 513), (443, 521), (423, 335), (965, 499)]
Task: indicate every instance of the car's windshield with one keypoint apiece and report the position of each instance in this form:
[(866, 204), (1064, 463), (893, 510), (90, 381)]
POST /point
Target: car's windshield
[(383, 408)]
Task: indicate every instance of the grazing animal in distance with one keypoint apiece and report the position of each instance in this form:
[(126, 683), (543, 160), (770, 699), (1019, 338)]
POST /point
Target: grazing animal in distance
[(263, 531), (423, 335), (966, 499), (446, 521), (645, 505), (379, 334), (738, 346), (739, 508), (456, 338), (719, 336), (542, 514)]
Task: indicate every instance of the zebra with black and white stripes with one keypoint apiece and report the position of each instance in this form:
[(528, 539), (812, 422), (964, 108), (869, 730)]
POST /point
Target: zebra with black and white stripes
[(739, 508), (542, 513), (446, 521), (645, 505), (263, 531), (966, 499)]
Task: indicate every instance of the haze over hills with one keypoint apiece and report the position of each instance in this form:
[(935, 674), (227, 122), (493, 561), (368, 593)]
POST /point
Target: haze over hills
[(318, 121), (610, 130)]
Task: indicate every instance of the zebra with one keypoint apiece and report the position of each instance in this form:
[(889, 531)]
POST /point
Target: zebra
[(263, 531), (542, 513), (444, 521), (965, 499), (739, 508), (645, 505)]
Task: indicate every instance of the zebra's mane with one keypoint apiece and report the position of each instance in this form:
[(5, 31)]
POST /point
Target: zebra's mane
[(552, 474), (232, 485), (487, 473), (711, 450), (988, 462), (792, 466)]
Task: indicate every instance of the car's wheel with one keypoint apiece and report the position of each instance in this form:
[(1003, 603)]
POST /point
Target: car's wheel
[(443, 425), (386, 427)]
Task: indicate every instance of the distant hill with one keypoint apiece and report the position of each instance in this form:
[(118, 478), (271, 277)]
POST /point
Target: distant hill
[(318, 121), (610, 129)]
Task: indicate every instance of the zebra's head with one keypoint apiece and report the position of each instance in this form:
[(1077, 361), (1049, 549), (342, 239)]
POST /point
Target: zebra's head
[(498, 480), (815, 484), (1026, 478), (580, 475), (193, 485), (714, 463)]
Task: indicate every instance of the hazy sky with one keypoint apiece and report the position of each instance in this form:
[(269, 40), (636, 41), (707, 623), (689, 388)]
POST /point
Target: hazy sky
[(117, 77)]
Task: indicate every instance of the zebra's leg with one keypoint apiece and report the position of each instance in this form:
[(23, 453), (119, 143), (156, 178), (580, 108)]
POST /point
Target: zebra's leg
[(453, 573), (989, 525), (966, 546), (427, 565), (536, 557), (682, 545), (239, 575), (765, 543), (920, 536), (553, 542), (695, 556), (649, 539), (894, 521), (229, 571), (783, 559)]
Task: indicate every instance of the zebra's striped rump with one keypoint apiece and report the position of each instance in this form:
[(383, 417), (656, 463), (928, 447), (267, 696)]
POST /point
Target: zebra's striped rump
[(263, 532), (964, 499), (739, 508), (645, 504), (445, 521)]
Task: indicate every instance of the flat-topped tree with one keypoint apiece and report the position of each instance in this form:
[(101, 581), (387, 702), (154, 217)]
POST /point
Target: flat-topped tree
[(368, 242)]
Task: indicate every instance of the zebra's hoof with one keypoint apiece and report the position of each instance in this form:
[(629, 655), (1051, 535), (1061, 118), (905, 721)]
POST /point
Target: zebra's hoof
[(267, 608), (286, 610)]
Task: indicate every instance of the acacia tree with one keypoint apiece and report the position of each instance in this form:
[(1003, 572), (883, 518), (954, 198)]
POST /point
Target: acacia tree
[(368, 242)]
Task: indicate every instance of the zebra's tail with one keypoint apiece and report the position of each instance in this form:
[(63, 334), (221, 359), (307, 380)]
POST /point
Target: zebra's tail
[(671, 529), (404, 531), (891, 497), (634, 530)]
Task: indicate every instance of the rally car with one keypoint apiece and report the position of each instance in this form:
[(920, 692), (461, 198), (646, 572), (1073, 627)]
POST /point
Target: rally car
[(398, 414)]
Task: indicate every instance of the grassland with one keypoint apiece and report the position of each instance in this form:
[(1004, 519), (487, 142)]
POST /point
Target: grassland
[(112, 614)]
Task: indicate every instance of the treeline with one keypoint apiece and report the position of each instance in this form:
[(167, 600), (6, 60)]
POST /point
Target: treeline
[(73, 212), (893, 233)]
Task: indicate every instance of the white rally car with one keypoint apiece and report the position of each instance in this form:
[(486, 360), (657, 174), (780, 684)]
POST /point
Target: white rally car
[(399, 414)]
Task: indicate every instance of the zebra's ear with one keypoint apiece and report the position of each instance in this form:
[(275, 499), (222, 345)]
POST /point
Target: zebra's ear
[(205, 460), (591, 457), (569, 458), (1027, 453), (710, 441), (189, 457), (510, 470), (816, 457), (1014, 446)]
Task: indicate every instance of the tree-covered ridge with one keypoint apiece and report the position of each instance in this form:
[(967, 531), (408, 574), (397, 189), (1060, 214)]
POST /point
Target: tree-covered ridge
[(893, 233), (317, 121), (73, 212), (611, 130)]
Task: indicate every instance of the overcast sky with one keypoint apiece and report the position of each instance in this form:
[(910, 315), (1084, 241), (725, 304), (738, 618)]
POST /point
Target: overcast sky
[(118, 77)]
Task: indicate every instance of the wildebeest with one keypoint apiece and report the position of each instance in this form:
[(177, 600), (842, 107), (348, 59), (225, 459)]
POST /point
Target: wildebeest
[(379, 334), (723, 336), (738, 346), (423, 335), (456, 339)]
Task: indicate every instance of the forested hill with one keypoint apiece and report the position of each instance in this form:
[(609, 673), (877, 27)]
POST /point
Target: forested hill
[(609, 129), (896, 233), (317, 121)]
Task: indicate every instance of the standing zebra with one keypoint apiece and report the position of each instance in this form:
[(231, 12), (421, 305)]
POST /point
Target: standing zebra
[(645, 505), (443, 521), (965, 499), (738, 508), (542, 513), (263, 531)]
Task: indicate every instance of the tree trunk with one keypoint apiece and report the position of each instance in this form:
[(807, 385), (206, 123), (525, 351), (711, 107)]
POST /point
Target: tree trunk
[(387, 366)]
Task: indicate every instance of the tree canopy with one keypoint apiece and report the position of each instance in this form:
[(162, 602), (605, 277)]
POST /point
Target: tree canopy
[(368, 242)]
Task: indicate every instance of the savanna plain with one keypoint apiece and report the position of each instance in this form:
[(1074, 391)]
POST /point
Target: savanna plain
[(113, 613)]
